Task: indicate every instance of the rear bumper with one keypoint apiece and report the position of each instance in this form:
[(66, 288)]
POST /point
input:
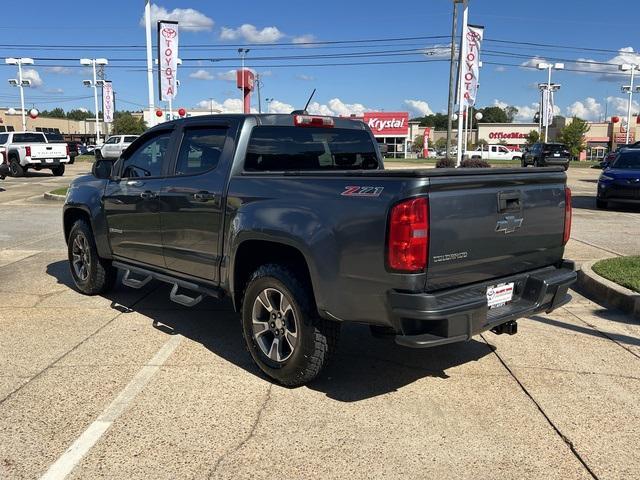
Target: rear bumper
[(427, 320), (552, 161), (44, 163)]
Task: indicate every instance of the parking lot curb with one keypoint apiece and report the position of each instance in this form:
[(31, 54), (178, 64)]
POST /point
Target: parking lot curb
[(607, 292), (54, 197)]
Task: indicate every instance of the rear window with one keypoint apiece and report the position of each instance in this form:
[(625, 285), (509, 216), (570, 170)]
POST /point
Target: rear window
[(274, 148), (628, 159), (54, 137), (554, 147), (29, 138)]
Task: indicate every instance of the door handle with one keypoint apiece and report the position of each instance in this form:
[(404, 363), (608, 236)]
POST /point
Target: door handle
[(509, 202), (204, 196), (148, 195), (134, 183)]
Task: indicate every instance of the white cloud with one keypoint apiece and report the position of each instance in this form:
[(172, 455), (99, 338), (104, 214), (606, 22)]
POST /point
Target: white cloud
[(619, 105), (525, 112), (56, 91), (33, 75), (82, 109), (201, 75), (501, 68), (533, 62), (419, 106), (337, 107), (251, 34), (588, 109), (277, 106), (229, 76), (230, 105), (609, 72), (304, 39), (188, 18), (58, 70), (438, 51), (306, 78)]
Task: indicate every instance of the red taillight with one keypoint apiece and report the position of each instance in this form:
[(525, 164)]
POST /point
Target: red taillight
[(27, 151), (67, 149), (311, 121), (409, 235), (567, 215)]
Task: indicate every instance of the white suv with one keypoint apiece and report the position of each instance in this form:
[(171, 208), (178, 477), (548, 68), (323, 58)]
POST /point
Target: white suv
[(114, 146)]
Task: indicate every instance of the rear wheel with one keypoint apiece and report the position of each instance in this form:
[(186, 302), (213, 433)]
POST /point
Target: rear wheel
[(91, 274), (284, 334), (601, 203), (58, 170), (15, 168)]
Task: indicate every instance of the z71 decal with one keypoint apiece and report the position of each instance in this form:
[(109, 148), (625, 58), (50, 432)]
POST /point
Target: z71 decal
[(357, 191)]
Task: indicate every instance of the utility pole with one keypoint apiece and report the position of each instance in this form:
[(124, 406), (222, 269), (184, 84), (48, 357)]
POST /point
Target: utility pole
[(147, 22), (258, 81), (454, 27), (20, 83)]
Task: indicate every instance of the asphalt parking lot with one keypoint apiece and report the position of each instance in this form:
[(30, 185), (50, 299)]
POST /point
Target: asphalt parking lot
[(133, 385)]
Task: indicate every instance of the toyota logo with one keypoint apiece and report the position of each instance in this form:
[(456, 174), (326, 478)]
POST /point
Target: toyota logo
[(168, 32)]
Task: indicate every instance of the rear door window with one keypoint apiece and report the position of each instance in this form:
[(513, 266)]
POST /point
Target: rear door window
[(200, 150), (280, 148)]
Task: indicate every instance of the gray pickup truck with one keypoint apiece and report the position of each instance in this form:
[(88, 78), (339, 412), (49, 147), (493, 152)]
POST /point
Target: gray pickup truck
[(295, 219)]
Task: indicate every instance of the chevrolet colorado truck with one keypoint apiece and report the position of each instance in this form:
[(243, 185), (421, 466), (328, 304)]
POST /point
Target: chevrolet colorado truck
[(296, 220), (26, 150)]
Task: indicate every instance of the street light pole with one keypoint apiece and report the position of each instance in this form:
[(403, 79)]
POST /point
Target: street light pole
[(93, 62), (20, 83), (268, 102), (242, 52), (548, 67), (626, 68)]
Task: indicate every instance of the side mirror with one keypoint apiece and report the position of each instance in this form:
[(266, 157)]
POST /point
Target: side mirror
[(102, 169)]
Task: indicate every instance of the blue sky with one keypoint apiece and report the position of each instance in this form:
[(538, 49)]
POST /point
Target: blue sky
[(418, 87)]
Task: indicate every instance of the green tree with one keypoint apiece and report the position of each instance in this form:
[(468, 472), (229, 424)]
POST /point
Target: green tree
[(493, 115), (55, 113), (124, 122), (482, 142), (572, 135), (418, 143), (511, 113), (533, 137), (437, 121), (440, 143), (77, 114)]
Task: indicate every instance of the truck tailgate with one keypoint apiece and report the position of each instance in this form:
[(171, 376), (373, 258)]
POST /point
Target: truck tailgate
[(494, 225), (48, 150)]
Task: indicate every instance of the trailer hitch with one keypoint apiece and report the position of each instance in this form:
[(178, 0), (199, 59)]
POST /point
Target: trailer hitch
[(510, 328)]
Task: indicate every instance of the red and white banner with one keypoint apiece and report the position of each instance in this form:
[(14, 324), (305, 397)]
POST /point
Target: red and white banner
[(425, 144), (167, 59), (388, 123), (107, 102), (469, 72)]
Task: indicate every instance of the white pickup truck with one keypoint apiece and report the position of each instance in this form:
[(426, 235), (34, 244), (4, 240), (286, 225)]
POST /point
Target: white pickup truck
[(494, 152), (25, 150), (114, 146)]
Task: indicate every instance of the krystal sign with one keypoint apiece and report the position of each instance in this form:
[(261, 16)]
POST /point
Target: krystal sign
[(167, 59), (388, 124)]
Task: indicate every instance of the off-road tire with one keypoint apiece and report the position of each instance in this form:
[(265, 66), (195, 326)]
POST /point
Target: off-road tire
[(15, 168), (101, 274), (58, 170), (98, 154), (317, 337)]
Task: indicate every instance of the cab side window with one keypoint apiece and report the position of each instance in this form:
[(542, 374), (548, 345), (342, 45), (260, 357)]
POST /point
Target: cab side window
[(112, 140), (3, 138), (200, 150), (148, 159)]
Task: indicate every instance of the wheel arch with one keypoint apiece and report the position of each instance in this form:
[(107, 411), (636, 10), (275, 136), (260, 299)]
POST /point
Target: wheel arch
[(252, 253)]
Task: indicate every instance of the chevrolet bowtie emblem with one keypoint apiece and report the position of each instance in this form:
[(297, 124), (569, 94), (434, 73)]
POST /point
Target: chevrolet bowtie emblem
[(509, 224)]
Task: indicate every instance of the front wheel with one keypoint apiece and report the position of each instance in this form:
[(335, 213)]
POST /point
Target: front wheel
[(98, 154), (58, 170), (284, 334), (91, 274)]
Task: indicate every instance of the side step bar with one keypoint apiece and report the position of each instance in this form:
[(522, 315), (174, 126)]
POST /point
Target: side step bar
[(178, 283)]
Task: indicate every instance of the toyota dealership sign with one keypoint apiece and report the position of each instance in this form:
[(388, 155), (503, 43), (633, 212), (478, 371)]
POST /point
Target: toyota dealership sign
[(388, 124)]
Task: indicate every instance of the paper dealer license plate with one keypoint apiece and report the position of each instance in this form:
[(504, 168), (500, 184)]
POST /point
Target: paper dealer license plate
[(48, 160), (499, 295)]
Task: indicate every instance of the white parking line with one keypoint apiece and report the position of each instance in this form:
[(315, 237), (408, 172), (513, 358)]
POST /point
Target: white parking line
[(76, 452)]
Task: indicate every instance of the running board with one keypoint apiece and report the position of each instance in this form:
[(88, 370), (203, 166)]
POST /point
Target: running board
[(134, 282), (177, 283)]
